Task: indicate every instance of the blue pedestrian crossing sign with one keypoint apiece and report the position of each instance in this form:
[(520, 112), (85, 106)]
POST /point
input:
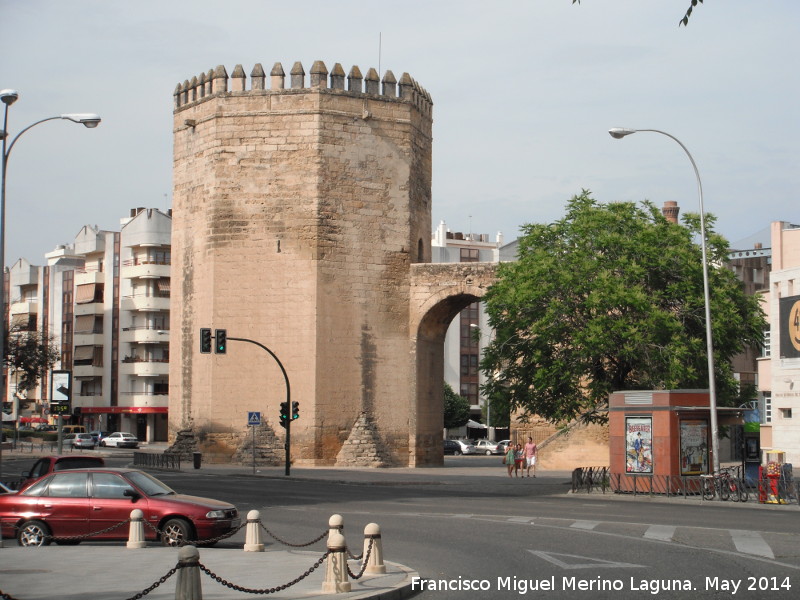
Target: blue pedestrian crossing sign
[(254, 418)]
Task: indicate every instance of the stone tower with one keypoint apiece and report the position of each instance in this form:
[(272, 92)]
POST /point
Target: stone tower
[(297, 214)]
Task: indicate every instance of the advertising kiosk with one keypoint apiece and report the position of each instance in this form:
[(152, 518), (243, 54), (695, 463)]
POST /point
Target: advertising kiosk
[(656, 437)]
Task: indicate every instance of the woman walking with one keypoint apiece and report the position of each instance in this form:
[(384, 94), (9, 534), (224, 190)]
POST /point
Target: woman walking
[(509, 460)]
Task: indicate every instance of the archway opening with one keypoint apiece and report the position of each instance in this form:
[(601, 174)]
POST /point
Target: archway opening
[(427, 440)]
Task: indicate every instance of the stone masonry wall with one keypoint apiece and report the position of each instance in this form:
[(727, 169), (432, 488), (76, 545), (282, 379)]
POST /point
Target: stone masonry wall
[(297, 213)]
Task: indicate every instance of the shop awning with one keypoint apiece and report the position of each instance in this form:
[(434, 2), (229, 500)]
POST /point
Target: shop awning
[(32, 420), (475, 425), (134, 410)]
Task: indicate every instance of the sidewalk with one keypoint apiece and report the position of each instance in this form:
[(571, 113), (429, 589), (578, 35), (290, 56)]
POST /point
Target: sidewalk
[(113, 572)]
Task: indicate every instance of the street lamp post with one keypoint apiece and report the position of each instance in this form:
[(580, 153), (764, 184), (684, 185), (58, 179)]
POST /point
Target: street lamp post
[(8, 97), (619, 133)]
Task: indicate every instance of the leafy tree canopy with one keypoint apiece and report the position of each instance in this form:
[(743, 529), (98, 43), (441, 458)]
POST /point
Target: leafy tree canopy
[(611, 298), (28, 356), (684, 21), (456, 408)]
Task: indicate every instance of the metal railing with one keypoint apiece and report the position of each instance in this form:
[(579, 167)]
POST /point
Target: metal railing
[(783, 489), (165, 461)]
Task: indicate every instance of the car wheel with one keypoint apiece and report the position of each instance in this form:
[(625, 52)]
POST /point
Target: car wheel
[(456, 452), (34, 533), (488, 453), (103, 443), (176, 532)]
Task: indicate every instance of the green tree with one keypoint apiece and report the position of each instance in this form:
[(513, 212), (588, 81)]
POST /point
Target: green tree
[(684, 21), (611, 298), (456, 408), (29, 355)]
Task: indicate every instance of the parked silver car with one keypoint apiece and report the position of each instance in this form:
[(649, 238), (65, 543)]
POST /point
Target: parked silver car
[(486, 447), (80, 440), (466, 447)]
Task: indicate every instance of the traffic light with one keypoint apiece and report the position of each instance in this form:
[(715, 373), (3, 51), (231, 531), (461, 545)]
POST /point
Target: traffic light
[(295, 410), (221, 339), (205, 340), (284, 413)]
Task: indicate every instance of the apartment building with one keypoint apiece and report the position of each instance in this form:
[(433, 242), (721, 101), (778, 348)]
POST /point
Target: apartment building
[(104, 302), (469, 332), (779, 365)]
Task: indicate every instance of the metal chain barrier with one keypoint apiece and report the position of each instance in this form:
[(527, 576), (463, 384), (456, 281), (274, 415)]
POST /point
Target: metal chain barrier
[(279, 588), (213, 540), (83, 536), (364, 564), (285, 543), (158, 582)]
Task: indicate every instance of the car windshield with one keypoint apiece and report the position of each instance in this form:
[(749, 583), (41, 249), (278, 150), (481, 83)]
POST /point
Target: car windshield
[(149, 484)]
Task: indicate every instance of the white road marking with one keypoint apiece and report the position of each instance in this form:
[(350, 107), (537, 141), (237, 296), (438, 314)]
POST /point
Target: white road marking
[(665, 533), (751, 542), (585, 525), (576, 561)]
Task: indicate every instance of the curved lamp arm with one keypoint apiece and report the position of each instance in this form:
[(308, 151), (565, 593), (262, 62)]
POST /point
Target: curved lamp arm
[(89, 120), (619, 133)]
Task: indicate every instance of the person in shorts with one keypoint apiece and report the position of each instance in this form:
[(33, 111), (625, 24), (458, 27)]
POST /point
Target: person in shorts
[(519, 459), (530, 451)]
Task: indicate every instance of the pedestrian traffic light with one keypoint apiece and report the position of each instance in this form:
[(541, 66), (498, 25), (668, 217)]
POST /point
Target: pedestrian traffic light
[(284, 413), (295, 410), (205, 340), (221, 340)]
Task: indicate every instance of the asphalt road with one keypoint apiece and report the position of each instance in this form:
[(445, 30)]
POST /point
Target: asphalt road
[(490, 537)]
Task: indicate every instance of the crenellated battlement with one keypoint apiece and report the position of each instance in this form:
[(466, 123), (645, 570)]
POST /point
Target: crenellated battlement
[(217, 81)]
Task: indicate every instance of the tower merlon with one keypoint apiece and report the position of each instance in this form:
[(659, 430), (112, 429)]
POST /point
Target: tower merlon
[(202, 87)]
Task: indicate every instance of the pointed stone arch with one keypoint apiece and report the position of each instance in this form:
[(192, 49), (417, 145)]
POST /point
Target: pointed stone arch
[(438, 293)]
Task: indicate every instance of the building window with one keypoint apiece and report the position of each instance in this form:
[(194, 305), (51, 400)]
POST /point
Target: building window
[(786, 413), (766, 348), (470, 392), (767, 407), (470, 255), (469, 364)]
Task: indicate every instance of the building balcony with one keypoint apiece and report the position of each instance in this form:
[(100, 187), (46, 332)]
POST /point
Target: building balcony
[(143, 399), (89, 399), (92, 308), (89, 276), (87, 339), (145, 270), (144, 303), (142, 367), (24, 307), (86, 371), (144, 335)]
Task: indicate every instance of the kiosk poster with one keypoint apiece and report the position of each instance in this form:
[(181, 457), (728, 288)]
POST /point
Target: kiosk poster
[(694, 446), (638, 444)]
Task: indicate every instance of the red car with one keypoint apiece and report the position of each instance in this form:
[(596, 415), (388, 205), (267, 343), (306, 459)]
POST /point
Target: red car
[(81, 502), (49, 464)]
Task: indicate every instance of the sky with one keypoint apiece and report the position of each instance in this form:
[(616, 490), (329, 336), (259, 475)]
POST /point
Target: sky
[(524, 93)]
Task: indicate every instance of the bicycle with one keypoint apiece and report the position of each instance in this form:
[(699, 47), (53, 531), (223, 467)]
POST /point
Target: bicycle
[(735, 486), (712, 486)]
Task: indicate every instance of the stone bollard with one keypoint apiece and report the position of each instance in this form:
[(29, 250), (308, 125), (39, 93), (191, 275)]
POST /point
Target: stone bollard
[(188, 586), (335, 525), (372, 534), (336, 580), (136, 531), (252, 538)]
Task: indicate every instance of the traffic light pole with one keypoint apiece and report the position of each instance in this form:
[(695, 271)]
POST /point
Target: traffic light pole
[(287, 445)]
